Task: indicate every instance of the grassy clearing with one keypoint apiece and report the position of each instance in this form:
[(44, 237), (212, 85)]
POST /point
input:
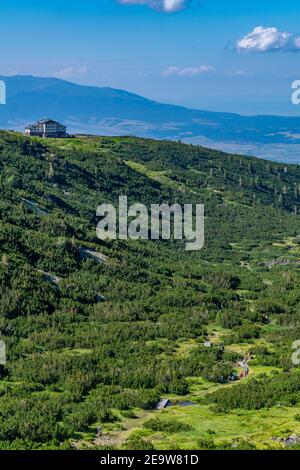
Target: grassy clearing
[(160, 176), (254, 426), (185, 348), (258, 427)]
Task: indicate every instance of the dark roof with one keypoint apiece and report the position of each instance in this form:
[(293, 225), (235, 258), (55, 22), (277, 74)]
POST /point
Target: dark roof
[(46, 120)]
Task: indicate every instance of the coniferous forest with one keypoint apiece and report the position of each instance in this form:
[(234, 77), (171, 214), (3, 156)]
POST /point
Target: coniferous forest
[(98, 332)]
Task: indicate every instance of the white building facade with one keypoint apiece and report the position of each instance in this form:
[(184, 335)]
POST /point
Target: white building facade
[(46, 128)]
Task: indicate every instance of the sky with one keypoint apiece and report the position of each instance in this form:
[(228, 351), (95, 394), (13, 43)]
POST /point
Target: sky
[(221, 55)]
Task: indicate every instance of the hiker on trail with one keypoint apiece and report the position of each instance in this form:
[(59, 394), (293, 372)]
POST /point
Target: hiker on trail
[(241, 375)]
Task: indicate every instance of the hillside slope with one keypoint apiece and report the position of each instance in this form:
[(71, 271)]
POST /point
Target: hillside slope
[(96, 332)]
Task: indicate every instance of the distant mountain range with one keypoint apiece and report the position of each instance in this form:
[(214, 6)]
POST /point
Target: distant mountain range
[(93, 110)]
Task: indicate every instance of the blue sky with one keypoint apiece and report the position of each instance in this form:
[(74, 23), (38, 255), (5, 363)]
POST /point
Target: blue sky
[(226, 55)]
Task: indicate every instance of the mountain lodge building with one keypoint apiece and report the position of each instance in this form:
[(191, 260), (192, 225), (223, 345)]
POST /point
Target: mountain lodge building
[(46, 128)]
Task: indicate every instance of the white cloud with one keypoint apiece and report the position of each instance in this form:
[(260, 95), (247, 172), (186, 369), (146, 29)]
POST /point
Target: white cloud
[(188, 71), (168, 6), (240, 72), (297, 42), (268, 39), (69, 72)]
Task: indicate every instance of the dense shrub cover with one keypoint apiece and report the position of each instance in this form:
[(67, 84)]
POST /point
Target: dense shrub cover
[(86, 340)]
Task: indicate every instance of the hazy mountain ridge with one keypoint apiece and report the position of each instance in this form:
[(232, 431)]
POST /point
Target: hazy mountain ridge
[(108, 111)]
